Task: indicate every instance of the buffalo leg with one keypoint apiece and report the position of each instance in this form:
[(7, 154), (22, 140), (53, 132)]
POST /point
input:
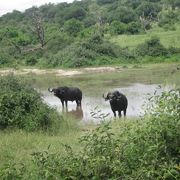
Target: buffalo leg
[(78, 102), (114, 113), (124, 112), (62, 104), (119, 113), (66, 104)]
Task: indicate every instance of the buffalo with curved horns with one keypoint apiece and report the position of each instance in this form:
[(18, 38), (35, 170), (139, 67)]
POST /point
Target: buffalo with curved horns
[(66, 94), (118, 102)]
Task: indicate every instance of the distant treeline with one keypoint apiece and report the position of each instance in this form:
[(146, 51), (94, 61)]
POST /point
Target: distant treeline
[(77, 34)]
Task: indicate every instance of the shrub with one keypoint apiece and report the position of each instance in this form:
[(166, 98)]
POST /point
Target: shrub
[(30, 61), (167, 19), (5, 59), (22, 107), (152, 47), (133, 27), (165, 112), (84, 53), (117, 27)]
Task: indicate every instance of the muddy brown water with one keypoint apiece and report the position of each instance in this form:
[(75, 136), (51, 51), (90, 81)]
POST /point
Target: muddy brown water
[(136, 94)]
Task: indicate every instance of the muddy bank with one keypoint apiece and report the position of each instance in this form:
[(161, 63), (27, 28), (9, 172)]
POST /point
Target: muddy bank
[(57, 72)]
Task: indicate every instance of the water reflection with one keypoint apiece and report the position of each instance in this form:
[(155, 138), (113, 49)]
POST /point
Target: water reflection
[(77, 113), (136, 95)]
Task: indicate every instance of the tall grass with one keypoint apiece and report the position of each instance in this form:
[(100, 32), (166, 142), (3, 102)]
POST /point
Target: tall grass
[(18, 145)]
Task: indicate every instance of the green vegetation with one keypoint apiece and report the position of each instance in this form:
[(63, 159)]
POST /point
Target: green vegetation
[(39, 143), (167, 38), (90, 33), (22, 107), (141, 149)]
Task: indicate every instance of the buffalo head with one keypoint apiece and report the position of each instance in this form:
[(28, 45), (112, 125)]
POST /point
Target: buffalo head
[(108, 96), (56, 91), (118, 102)]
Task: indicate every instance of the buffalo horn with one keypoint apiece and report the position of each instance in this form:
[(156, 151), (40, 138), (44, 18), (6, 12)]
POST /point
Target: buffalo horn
[(103, 96), (50, 90)]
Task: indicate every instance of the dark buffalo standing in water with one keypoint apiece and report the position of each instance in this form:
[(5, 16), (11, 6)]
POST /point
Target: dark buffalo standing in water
[(118, 102), (66, 94)]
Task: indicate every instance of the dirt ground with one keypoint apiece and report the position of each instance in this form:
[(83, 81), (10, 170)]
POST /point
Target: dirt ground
[(57, 72)]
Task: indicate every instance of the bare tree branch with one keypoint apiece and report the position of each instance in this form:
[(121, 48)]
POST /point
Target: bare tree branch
[(38, 28)]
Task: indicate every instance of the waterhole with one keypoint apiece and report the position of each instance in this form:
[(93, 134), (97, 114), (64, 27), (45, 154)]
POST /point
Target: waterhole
[(94, 107)]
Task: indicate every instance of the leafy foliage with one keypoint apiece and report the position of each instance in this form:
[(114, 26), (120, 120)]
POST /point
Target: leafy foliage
[(22, 107), (154, 48)]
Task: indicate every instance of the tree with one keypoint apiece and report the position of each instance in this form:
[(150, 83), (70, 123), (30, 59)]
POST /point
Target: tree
[(75, 12), (173, 3), (98, 14), (38, 28), (122, 14), (73, 26), (147, 12)]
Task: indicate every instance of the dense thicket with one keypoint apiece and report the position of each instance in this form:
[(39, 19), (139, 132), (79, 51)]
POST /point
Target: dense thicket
[(54, 35), (143, 149), (21, 107)]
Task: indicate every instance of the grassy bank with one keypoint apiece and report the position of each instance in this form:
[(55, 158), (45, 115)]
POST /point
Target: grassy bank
[(18, 145)]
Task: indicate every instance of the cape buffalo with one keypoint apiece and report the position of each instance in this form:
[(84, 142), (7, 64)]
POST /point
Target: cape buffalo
[(118, 102), (66, 94)]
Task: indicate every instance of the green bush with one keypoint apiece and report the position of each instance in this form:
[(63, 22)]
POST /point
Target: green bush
[(5, 59), (31, 60), (83, 53), (73, 27), (22, 107), (167, 19), (151, 47), (133, 28), (117, 27)]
